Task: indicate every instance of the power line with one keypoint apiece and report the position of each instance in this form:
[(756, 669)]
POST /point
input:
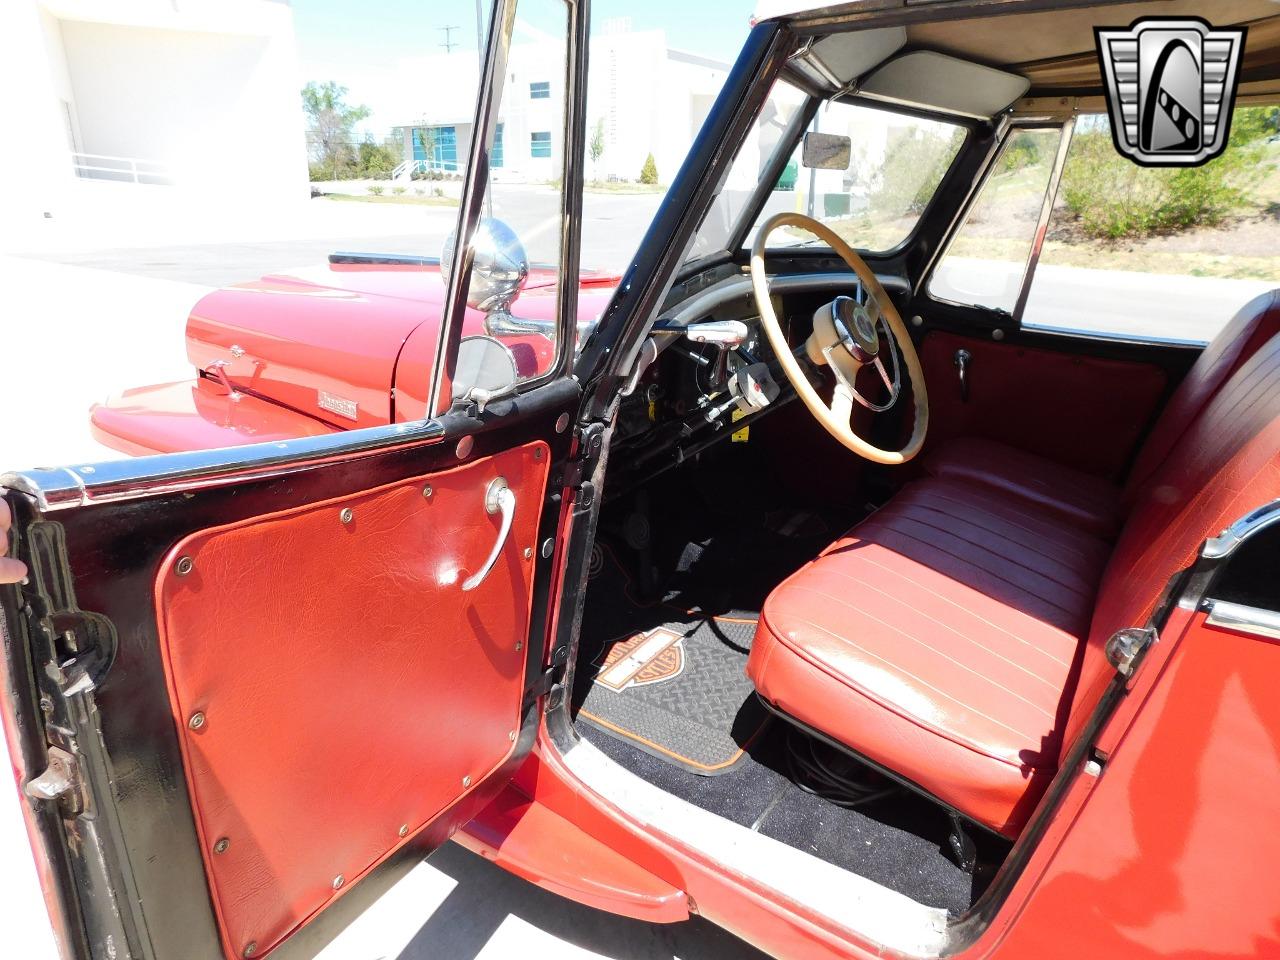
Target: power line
[(448, 38)]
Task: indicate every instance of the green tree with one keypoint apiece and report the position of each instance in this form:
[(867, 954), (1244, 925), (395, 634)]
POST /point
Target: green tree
[(377, 160), (330, 124), (595, 149), (649, 172), (425, 138)]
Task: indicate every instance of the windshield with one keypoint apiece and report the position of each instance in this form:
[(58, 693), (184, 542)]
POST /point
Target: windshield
[(896, 163)]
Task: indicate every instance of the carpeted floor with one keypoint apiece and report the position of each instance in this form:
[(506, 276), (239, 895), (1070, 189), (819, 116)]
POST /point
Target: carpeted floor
[(899, 842)]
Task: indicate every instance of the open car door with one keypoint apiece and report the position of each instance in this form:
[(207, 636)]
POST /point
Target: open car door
[(237, 681)]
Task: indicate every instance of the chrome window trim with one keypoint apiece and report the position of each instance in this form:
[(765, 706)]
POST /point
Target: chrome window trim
[(1115, 336), (1244, 618), (1065, 136), (62, 488), (1227, 542)]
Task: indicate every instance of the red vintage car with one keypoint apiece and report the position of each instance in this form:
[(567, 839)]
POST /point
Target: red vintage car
[(971, 652)]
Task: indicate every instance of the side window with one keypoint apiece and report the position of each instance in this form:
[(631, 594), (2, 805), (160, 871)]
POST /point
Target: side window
[(986, 261), (1160, 253)]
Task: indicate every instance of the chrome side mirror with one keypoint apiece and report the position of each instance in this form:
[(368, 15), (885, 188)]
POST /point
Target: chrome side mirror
[(486, 371), (499, 269)]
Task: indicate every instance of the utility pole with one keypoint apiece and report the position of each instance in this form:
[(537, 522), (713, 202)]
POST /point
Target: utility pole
[(448, 38)]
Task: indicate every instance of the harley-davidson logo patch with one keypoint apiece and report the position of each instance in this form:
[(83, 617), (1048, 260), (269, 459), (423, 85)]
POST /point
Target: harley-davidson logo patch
[(651, 657)]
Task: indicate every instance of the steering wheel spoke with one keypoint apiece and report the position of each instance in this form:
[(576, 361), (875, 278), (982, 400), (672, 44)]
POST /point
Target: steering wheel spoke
[(842, 404)]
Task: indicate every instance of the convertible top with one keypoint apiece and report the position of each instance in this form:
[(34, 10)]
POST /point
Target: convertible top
[(980, 66)]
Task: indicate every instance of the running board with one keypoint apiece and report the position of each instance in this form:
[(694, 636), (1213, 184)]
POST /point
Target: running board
[(533, 842)]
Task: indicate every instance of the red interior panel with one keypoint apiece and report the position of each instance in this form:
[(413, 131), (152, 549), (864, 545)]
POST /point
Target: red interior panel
[(347, 689), (1085, 412)]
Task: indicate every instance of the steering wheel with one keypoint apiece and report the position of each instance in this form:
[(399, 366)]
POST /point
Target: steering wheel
[(846, 337)]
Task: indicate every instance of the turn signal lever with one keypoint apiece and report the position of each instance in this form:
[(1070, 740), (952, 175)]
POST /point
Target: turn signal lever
[(727, 336)]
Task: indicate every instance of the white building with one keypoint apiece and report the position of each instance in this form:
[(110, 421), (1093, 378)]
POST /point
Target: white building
[(648, 98), (147, 98)]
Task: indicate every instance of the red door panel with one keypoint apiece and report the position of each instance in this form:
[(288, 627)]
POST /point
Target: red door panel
[(1081, 411), (333, 687)]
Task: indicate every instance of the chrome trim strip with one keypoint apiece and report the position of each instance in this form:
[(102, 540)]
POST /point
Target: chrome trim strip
[(474, 188), (61, 488), (1226, 543), (1247, 619), (1116, 336), (1065, 136)]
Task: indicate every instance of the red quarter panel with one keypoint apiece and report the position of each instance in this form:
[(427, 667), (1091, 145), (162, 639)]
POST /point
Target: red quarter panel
[(347, 684), (1084, 412), (1226, 465)]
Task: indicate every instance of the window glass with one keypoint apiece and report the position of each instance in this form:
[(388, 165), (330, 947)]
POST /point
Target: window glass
[(986, 261), (540, 91), (1160, 253), (896, 164), (528, 195), (495, 155)]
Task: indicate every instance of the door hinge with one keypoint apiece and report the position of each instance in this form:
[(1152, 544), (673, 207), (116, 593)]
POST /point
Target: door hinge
[(544, 683), (1126, 647), (590, 444)]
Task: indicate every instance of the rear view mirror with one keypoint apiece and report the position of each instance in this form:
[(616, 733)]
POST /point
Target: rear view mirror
[(826, 151), (486, 371)]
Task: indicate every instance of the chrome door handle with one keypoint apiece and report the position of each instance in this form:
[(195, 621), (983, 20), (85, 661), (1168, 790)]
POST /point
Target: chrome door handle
[(497, 497), (962, 359)]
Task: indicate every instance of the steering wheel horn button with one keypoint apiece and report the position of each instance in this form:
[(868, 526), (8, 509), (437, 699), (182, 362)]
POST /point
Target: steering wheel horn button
[(855, 328)]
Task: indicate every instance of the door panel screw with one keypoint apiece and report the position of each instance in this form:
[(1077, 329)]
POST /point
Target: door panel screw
[(519, 645), (221, 845), (404, 830), (347, 515), (511, 735), (466, 781), (537, 454), (338, 881), (427, 491), (250, 948), (196, 721), (528, 552), (184, 566)]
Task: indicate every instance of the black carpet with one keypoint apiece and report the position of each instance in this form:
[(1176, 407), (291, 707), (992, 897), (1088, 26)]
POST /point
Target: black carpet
[(899, 842)]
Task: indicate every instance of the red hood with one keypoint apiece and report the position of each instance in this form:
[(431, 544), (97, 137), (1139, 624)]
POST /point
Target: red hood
[(326, 341)]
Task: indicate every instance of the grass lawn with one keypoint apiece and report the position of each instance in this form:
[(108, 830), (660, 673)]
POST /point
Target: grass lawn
[(410, 198)]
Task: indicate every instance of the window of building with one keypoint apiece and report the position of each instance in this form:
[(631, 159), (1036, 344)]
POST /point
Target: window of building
[(495, 155), (987, 258), (540, 144), (437, 147), (540, 90)]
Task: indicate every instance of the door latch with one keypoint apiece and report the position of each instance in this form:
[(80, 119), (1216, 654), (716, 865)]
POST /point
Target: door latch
[(1126, 647)]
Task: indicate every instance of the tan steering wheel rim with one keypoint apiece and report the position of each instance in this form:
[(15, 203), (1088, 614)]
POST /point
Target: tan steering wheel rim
[(835, 417)]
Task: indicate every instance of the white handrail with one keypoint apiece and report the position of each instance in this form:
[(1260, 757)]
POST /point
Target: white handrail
[(128, 169)]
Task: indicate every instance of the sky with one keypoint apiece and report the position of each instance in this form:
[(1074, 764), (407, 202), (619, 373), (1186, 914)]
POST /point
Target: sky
[(361, 46)]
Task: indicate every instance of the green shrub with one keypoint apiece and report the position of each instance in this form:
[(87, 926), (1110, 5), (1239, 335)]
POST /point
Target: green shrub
[(398, 190), (1113, 197), (649, 172), (376, 189)]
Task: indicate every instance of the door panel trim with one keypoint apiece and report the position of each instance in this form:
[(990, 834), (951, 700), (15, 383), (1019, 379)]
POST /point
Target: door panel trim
[(328, 697)]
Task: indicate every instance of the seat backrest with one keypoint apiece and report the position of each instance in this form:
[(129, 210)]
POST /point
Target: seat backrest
[(1255, 324), (1225, 464)]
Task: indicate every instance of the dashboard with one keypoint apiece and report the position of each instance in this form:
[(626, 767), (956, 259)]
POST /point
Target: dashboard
[(707, 369)]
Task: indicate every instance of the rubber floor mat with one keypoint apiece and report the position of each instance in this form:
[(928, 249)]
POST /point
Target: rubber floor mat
[(679, 691)]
